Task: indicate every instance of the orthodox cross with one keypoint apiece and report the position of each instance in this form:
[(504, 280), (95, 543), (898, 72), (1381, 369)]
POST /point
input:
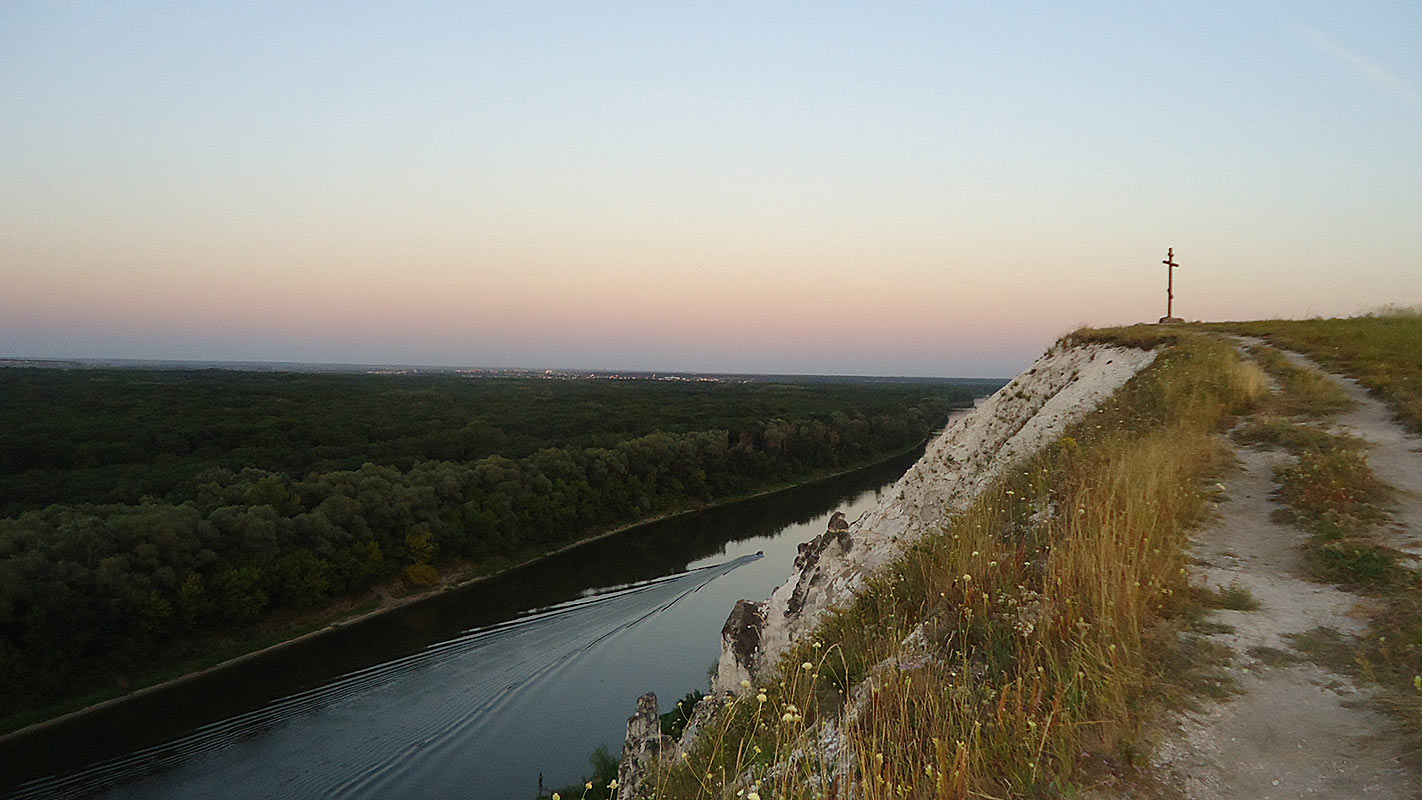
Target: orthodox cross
[(1170, 266)]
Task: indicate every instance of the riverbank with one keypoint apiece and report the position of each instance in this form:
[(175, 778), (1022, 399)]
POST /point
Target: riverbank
[(481, 677), (378, 602)]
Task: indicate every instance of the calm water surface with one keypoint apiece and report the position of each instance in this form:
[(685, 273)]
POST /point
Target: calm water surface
[(472, 693)]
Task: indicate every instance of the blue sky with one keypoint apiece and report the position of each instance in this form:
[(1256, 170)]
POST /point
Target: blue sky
[(880, 188)]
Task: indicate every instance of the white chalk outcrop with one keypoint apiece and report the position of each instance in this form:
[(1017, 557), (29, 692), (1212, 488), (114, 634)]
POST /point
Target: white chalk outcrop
[(1030, 412)]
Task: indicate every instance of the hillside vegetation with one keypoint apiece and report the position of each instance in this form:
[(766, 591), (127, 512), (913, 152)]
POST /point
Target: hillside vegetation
[(1020, 650), (159, 515), (1028, 648)]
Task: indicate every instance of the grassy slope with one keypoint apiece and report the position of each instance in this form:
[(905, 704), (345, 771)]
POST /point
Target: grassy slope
[(1043, 617), (1047, 638)]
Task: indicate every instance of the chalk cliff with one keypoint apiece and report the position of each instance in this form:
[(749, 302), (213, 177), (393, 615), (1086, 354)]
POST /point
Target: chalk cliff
[(1030, 412)]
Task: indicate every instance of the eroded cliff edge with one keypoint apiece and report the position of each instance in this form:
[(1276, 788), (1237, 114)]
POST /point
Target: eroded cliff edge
[(1031, 411), (1066, 384)]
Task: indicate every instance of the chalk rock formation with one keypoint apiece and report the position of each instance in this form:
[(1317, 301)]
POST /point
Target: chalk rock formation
[(740, 642), (1063, 386), (644, 744)]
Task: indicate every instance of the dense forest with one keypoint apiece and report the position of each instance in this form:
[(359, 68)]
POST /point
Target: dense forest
[(147, 514)]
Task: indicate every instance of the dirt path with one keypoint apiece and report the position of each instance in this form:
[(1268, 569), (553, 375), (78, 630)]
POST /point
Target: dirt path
[(1294, 729), (1395, 456)]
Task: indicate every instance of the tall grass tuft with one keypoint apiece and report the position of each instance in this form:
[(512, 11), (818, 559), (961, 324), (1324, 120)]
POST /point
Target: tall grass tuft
[(1379, 349), (1018, 649), (1302, 391)]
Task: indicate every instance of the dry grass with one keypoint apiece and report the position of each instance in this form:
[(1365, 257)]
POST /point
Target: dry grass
[(1379, 349), (1144, 337), (1020, 651), (1302, 391)]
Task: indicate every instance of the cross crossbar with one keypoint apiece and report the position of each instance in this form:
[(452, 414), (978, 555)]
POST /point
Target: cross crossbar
[(1170, 266)]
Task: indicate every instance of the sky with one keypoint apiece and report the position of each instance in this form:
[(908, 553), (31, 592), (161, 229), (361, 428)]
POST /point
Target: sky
[(880, 188)]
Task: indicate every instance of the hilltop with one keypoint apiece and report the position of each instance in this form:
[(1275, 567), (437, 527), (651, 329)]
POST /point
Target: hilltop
[(1071, 618)]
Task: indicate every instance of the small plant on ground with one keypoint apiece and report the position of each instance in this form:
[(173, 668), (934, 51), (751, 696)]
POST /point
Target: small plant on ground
[(674, 721), (1233, 597), (1273, 656)]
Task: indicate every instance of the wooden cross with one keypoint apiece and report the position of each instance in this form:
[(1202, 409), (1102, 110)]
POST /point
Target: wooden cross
[(1170, 266)]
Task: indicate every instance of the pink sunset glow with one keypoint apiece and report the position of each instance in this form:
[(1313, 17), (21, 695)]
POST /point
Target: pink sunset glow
[(771, 190)]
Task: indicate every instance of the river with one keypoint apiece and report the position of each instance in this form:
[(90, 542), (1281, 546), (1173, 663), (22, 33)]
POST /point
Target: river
[(472, 693)]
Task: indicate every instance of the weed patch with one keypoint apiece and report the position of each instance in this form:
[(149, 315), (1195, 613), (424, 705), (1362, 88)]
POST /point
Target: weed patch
[(1333, 483), (1269, 430), (1197, 666), (1210, 627), (1354, 565), (1325, 647), (1273, 656), (1233, 597)]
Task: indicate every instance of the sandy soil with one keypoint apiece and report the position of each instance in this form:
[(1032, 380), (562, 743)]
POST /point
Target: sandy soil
[(1295, 729)]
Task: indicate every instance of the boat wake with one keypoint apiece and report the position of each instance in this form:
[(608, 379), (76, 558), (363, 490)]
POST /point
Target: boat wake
[(385, 730)]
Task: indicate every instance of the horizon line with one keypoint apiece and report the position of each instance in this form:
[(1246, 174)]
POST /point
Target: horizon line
[(247, 365)]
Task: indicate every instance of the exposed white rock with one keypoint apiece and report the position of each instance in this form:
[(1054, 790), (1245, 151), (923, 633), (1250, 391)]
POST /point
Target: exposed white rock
[(643, 745), (1027, 414)]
